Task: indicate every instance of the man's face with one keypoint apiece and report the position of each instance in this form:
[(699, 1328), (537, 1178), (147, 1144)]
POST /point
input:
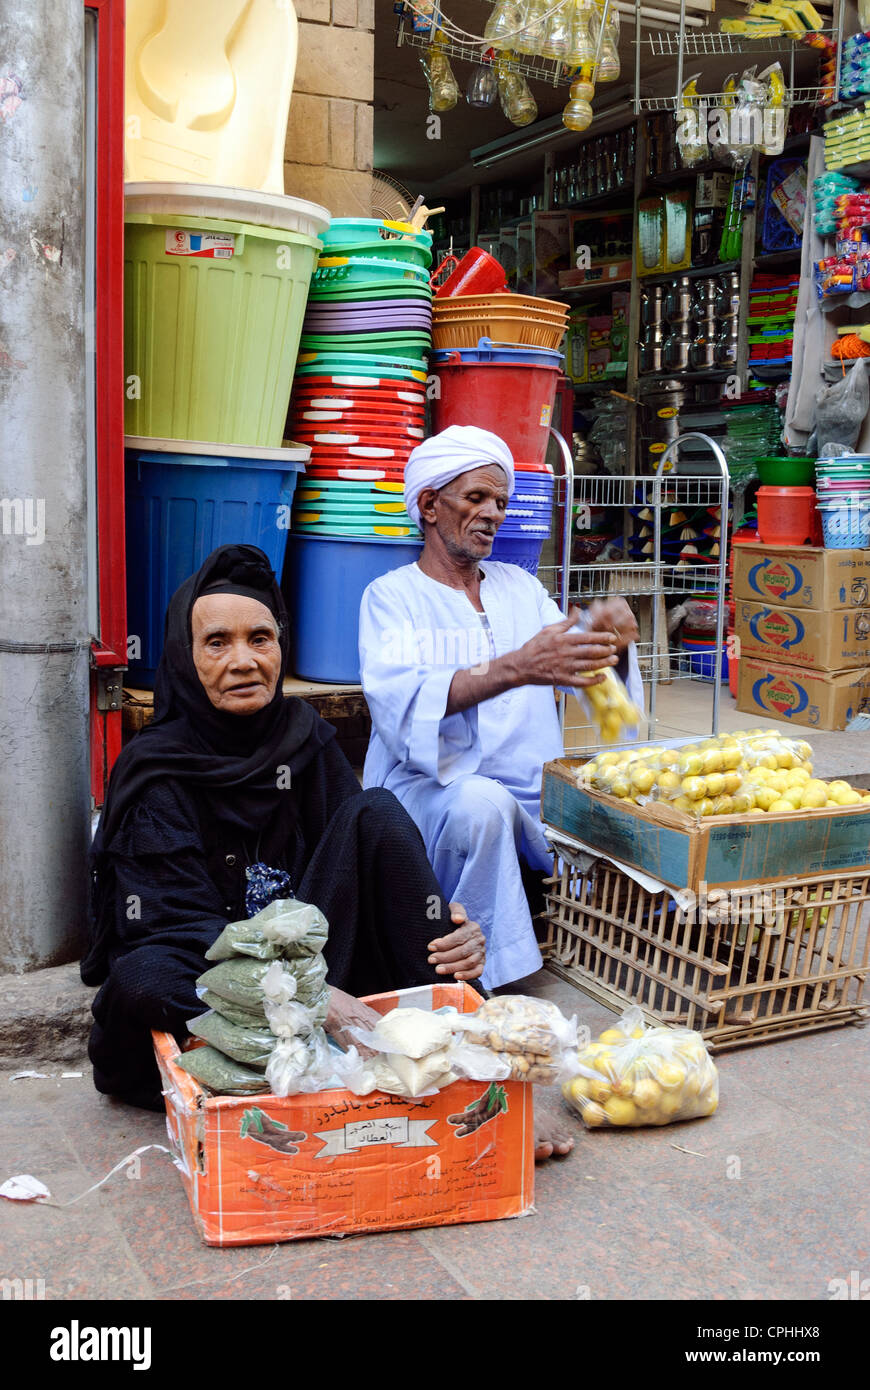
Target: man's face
[(236, 651), (468, 512)]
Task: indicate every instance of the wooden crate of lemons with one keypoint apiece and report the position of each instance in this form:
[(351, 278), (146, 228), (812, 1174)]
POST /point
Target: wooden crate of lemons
[(634, 1075), (750, 772)]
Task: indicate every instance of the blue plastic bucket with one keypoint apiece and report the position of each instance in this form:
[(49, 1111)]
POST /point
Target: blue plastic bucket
[(488, 351), (845, 524), (702, 659), (182, 506), (324, 582), (524, 551)]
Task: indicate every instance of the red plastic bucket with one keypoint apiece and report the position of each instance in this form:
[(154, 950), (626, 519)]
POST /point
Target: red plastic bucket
[(476, 273), (786, 515), (510, 399)]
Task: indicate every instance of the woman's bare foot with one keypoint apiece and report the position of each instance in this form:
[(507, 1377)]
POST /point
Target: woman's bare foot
[(552, 1141)]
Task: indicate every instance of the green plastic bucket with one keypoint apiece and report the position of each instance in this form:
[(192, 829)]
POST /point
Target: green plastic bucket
[(213, 314)]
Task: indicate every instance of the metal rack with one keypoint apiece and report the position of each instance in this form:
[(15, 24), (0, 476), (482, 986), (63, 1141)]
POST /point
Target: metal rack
[(653, 579)]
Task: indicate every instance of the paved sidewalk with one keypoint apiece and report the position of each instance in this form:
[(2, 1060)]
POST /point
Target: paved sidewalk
[(772, 1202)]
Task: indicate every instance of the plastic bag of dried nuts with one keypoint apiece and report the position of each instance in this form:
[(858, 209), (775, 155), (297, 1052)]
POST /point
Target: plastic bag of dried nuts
[(513, 1037)]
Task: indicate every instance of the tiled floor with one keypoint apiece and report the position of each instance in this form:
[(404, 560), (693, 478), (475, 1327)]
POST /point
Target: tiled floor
[(767, 1199)]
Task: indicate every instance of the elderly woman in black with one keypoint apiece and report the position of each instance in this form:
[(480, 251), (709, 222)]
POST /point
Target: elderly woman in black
[(235, 795)]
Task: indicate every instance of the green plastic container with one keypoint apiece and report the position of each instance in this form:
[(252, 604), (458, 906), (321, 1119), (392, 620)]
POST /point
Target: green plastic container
[(211, 339), (787, 472)]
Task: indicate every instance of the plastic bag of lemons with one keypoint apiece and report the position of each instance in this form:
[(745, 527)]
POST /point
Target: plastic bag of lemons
[(744, 773), (611, 707), (635, 1075)]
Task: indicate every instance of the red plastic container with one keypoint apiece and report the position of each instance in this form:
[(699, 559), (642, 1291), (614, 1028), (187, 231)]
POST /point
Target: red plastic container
[(477, 273), (510, 399), (733, 664), (786, 515)]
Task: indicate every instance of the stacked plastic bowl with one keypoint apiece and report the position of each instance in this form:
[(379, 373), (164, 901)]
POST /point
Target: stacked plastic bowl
[(843, 500), (359, 403)]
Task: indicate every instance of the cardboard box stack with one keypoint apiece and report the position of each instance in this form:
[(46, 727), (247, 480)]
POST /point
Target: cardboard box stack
[(803, 626)]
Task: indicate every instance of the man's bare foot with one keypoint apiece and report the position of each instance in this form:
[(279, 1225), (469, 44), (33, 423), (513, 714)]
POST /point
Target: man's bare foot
[(552, 1141)]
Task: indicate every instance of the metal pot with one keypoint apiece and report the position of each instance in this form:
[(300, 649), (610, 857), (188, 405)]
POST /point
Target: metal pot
[(675, 354), (655, 333), (649, 357), (704, 301), (703, 351), (728, 297), (652, 305), (726, 344), (678, 301)]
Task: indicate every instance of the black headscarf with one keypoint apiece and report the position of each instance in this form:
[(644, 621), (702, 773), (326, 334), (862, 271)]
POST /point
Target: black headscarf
[(235, 757)]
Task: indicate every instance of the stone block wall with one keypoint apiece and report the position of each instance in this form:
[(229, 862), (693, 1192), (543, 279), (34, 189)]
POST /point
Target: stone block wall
[(328, 154)]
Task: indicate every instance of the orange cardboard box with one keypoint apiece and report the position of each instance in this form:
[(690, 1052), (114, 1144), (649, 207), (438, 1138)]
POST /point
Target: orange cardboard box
[(262, 1169)]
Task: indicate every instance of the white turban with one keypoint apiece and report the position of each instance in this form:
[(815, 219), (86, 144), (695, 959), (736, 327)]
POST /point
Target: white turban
[(459, 449)]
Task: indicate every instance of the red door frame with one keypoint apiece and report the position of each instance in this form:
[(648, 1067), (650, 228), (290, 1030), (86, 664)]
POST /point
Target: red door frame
[(109, 649)]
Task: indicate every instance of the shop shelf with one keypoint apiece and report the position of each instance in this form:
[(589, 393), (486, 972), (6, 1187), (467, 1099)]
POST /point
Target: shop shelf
[(697, 272)]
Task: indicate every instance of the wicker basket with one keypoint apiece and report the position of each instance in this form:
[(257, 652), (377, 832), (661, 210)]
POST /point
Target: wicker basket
[(466, 332), (749, 965)]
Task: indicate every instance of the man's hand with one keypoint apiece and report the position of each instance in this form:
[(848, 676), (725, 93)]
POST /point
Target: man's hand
[(346, 1012), (613, 615), (563, 655), (462, 953)]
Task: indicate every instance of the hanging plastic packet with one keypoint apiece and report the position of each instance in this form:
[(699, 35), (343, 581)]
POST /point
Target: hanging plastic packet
[(691, 118), (746, 121), (443, 87), (720, 125), (287, 927), (517, 102), (774, 112), (605, 35)]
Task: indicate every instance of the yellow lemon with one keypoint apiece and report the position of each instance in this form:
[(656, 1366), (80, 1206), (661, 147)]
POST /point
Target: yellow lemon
[(732, 782), (620, 1111), (604, 1064), (612, 1036), (578, 1089), (620, 786), (742, 802), (785, 758), (693, 787), (647, 1093), (765, 797), (777, 781), (642, 777), (704, 807), (683, 803), (694, 1082), (637, 1033), (866, 798), (605, 759), (794, 795), (708, 1105), (836, 787), (712, 760), (669, 757), (815, 789), (690, 764), (715, 783), (796, 777), (593, 1115), (850, 798), (668, 781), (722, 806), (670, 1074), (780, 805), (600, 1090), (670, 1103)]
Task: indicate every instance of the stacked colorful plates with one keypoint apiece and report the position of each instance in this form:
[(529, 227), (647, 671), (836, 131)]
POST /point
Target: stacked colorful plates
[(344, 507), (843, 501)]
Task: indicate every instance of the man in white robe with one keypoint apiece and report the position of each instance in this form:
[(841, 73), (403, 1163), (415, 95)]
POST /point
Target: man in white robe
[(459, 659)]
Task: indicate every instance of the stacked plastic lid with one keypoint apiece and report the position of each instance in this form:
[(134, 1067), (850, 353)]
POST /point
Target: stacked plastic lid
[(843, 500), (370, 303), (359, 398)]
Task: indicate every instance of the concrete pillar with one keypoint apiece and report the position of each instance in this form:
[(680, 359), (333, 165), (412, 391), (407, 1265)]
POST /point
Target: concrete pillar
[(44, 791)]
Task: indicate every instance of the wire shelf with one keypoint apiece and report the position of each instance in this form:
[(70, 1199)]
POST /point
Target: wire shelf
[(794, 96), (540, 69), (635, 490), (708, 42)]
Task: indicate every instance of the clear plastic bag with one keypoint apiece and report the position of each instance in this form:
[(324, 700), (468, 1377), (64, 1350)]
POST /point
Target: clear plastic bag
[(285, 928), (413, 1033), (240, 981), (252, 1046), (842, 408), (514, 1036), (637, 1076), (220, 1073)]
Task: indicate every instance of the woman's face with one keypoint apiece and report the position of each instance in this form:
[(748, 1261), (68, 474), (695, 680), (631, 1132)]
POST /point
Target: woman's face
[(235, 651)]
